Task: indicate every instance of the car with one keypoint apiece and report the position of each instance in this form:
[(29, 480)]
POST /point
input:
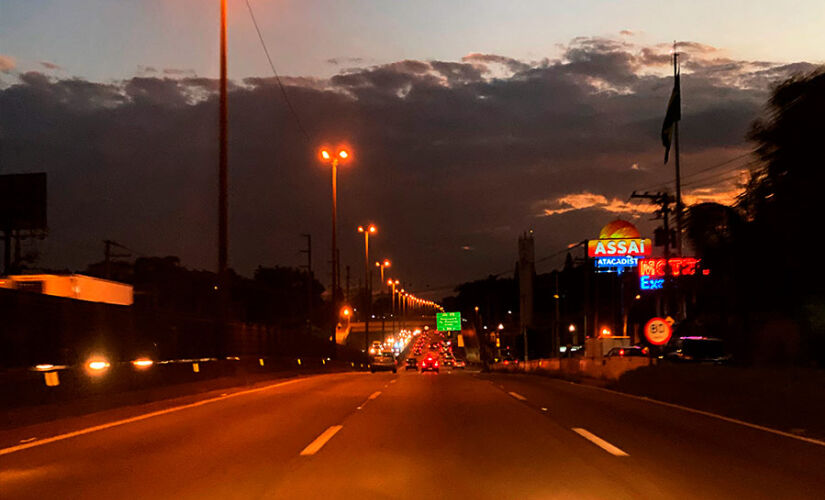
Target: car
[(628, 352), (376, 347), (384, 361), (448, 362), (412, 364), (429, 364), (459, 363)]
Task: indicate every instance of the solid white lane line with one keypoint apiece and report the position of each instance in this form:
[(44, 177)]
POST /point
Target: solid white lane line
[(116, 423), (517, 396), (321, 440), (374, 395), (601, 443), (711, 415)]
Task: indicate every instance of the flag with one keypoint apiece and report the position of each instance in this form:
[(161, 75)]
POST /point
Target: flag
[(673, 115)]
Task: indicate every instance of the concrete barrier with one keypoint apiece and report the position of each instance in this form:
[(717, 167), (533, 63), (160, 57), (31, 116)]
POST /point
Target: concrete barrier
[(608, 369)]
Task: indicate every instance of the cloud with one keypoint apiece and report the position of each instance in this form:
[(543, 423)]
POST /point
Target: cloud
[(50, 65), (443, 152), (179, 72), (336, 61), (483, 60), (586, 200), (7, 63)]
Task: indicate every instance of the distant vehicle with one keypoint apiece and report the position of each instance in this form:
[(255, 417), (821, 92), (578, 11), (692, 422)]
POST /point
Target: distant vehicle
[(429, 364), (630, 351), (412, 364), (448, 362), (508, 359), (459, 363), (699, 350), (376, 347), (384, 361)]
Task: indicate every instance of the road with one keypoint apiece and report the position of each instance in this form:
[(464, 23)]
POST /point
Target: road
[(459, 434)]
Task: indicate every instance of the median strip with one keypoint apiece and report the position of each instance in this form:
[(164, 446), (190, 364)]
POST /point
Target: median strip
[(601, 443), (321, 440)]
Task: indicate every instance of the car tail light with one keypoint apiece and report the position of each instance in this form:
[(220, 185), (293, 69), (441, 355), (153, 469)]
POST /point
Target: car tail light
[(621, 352)]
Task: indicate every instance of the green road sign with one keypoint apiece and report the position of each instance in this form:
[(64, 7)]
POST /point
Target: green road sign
[(448, 322)]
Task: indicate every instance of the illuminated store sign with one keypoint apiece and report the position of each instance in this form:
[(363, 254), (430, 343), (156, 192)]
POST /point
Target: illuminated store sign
[(652, 271), (636, 247), (679, 266)]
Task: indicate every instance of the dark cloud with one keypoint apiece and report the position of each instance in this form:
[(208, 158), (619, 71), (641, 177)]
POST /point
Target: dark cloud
[(50, 65), (345, 60), (449, 156), (178, 72)]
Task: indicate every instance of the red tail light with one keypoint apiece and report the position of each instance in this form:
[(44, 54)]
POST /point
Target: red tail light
[(621, 352)]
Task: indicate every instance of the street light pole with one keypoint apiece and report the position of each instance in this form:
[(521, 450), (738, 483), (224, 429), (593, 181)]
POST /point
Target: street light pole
[(223, 219), (367, 281), (327, 156), (381, 265)]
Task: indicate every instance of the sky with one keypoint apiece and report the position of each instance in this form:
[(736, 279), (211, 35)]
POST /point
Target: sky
[(471, 122)]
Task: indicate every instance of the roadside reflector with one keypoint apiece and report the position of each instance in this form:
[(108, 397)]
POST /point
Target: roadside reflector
[(52, 380), (261, 361), (196, 368)]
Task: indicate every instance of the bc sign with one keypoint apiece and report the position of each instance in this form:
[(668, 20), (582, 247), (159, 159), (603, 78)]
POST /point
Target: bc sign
[(621, 247)]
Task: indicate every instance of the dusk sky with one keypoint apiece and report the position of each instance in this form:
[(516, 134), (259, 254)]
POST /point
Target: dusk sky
[(471, 121)]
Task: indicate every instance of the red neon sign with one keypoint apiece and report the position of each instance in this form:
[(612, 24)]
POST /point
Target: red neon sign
[(679, 266)]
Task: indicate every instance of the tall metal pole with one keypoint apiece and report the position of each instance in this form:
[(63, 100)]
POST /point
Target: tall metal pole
[(334, 250), (223, 219), (367, 289), (223, 155), (676, 158)]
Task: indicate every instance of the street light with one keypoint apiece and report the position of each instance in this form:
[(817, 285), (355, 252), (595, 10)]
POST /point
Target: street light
[(381, 265), (326, 155), (371, 229), (392, 284)]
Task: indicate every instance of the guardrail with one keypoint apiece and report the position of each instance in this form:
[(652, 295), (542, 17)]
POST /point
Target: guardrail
[(47, 383)]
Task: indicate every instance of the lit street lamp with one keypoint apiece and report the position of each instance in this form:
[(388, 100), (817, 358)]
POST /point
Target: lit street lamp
[(326, 155), (371, 229)]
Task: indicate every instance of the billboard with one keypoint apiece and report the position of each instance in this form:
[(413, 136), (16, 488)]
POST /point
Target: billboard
[(23, 202), (621, 247), (652, 271), (448, 322)]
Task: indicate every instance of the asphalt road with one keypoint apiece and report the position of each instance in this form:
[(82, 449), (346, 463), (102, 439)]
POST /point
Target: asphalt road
[(457, 434)]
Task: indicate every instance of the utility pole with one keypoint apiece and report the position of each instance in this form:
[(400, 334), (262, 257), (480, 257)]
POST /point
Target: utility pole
[(348, 295), (308, 251), (108, 256), (663, 200), (557, 323), (223, 218)]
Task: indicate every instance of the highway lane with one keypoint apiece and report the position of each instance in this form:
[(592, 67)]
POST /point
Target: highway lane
[(411, 435)]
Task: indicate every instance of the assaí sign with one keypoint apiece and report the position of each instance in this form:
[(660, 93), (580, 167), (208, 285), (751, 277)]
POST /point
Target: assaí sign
[(621, 247)]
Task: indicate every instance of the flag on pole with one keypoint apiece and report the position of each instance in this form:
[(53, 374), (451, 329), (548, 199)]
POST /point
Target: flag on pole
[(673, 115)]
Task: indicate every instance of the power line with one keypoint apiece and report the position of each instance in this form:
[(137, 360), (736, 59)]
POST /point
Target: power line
[(719, 177), (277, 78), (693, 174)]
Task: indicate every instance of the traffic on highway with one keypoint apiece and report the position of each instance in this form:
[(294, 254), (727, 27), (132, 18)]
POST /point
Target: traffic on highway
[(374, 249)]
